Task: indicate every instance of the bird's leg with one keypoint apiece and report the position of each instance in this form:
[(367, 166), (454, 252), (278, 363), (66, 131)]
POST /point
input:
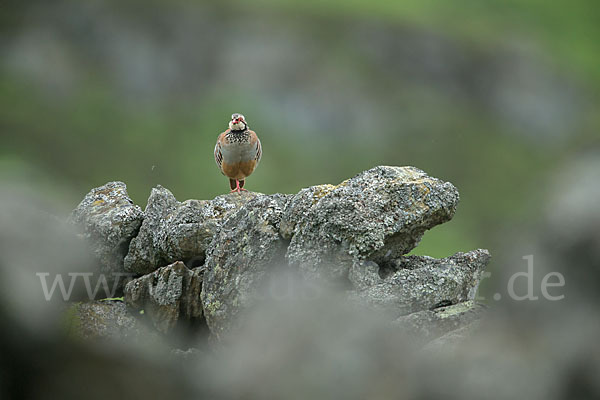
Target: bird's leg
[(237, 187), (234, 188)]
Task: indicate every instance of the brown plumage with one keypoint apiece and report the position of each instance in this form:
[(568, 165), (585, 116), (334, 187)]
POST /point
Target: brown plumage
[(237, 152)]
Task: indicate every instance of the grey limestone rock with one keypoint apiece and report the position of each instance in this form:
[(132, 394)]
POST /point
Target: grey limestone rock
[(299, 206), (108, 220), (454, 338), (168, 295), (245, 249), (427, 325), (378, 215), (178, 231), (144, 251), (104, 320), (423, 283), (355, 233)]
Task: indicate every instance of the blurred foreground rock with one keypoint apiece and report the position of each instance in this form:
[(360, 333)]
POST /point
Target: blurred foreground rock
[(210, 261)]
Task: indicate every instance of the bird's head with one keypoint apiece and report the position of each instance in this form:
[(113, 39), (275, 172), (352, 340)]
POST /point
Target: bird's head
[(238, 122)]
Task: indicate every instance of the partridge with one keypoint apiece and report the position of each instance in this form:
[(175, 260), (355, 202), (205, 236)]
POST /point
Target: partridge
[(237, 152)]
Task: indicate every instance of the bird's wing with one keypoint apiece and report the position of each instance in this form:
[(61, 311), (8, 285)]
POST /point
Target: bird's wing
[(218, 154), (258, 147)]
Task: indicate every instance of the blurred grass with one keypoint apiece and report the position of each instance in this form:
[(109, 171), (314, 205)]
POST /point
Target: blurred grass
[(568, 30)]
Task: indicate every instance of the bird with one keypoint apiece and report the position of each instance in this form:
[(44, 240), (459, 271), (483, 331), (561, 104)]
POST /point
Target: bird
[(238, 152)]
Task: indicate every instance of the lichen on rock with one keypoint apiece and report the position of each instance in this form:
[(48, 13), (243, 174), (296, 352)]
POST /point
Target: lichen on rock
[(424, 283), (428, 325), (168, 296), (242, 254), (178, 231), (108, 219), (210, 261), (379, 214), (104, 320)]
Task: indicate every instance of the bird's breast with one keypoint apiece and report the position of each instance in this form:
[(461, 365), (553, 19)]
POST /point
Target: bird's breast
[(238, 152)]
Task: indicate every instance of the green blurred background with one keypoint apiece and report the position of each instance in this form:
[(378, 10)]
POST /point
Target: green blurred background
[(496, 96)]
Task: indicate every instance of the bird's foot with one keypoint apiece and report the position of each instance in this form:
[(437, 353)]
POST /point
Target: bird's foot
[(238, 188)]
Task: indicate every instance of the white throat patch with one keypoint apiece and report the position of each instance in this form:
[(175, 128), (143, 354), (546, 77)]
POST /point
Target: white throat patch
[(236, 127)]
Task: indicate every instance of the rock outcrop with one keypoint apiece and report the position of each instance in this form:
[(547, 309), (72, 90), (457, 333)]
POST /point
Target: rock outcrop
[(178, 231), (243, 252), (421, 282), (108, 220), (379, 214), (167, 296), (106, 320), (209, 261), (428, 325)]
